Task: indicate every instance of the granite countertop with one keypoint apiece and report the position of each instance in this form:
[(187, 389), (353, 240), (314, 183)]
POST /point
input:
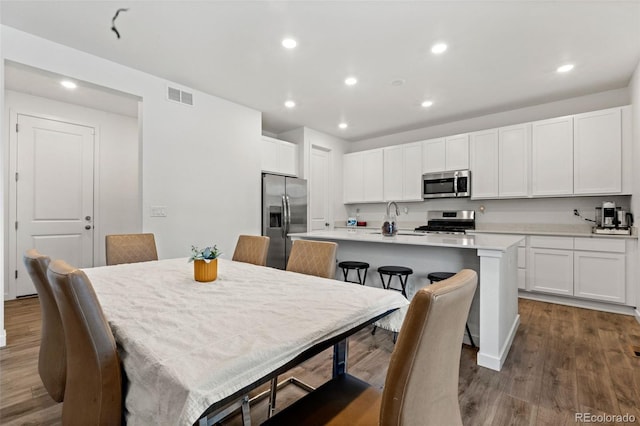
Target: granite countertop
[(482, 241)]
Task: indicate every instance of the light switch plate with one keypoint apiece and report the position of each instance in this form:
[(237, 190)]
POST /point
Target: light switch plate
[(158, 211)]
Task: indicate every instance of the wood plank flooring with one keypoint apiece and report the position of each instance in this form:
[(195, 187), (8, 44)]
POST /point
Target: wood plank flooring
[(564, 360)]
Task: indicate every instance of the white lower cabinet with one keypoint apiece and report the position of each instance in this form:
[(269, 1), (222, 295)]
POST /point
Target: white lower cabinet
[(551, 271), (587, 268)]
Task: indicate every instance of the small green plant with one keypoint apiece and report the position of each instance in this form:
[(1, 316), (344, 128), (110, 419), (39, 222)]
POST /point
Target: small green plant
[(207, 254)]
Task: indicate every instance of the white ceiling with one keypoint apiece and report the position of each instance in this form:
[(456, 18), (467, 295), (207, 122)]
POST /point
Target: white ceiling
[(502, 54)]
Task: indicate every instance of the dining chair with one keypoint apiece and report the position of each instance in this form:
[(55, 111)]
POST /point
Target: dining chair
[(421, 386), (93, 394), (52, 359), (313, 258), (252, 249), (130, 248)]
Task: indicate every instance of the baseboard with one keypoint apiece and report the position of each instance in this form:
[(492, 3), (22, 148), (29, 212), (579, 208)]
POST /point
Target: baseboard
[(3, 338), (495, 363), (637, 315)]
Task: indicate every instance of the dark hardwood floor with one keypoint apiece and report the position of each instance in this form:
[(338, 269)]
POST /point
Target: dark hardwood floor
[(563, 361)]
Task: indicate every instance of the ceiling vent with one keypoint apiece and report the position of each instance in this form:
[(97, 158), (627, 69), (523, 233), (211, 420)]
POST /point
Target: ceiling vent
[(177, 95)]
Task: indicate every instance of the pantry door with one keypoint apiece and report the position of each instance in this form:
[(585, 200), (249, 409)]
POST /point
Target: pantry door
[(54, 193)]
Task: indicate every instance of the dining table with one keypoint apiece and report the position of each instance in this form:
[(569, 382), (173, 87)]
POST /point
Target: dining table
[(191, 350)]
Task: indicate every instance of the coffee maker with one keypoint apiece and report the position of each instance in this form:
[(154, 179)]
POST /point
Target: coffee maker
[(612, 220)]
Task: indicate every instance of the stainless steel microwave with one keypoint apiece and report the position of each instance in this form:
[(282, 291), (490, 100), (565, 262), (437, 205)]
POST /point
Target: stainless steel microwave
[(446, 184)]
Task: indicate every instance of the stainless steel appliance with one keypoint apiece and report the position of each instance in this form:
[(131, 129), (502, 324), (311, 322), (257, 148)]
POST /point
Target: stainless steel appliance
[(611, 219), (284, 211), (446, 184), (449, 222)]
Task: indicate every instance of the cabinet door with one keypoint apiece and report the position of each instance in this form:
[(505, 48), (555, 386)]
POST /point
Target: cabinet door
[(600, 276), (287, 158), (457, 152), (373, 173), (514, 160), (353, 177), (597, 148), (551, 271), (552, 157), (393, 174), (433, 155), (484, 164), (269, 149), (412, 172)]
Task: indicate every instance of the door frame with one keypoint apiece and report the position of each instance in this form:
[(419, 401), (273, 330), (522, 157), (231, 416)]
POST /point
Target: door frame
[(12, 258)]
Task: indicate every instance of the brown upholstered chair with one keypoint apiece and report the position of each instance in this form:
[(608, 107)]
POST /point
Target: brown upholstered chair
[(421, 387), (130, 248), (313, 258), (93, 394), (52, 360), (252, 249)]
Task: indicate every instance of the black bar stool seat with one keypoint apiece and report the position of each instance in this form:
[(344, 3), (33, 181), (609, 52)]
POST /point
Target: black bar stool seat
[(401, 272), (348, 265), (440, 276)]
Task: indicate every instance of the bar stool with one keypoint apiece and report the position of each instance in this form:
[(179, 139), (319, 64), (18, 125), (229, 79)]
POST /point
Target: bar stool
[(358, 266), (395, 271), (434, 277)]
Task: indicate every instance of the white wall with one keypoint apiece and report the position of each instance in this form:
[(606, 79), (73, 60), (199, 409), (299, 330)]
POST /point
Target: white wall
[(3, 334), (118, 194), (635, 206), (201, 162), (576, 105)]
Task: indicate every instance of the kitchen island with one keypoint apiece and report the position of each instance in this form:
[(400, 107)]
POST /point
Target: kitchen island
[(494, 315)]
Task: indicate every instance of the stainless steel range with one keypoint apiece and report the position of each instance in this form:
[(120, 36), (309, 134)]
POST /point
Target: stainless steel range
[(449, 222)]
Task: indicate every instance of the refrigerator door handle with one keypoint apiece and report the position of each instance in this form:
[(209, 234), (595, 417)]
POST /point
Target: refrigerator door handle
[(283, 226), (288, 215)]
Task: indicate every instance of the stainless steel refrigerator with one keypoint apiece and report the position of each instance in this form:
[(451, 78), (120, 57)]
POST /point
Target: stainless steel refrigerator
[(284, 211)]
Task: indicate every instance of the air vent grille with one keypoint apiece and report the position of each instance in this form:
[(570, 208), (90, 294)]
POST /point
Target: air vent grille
[(177, 95)]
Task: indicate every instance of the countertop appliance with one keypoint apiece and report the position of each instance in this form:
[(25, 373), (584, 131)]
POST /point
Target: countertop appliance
[(449, 222), (611, 219), (446, 184), (284, 211)]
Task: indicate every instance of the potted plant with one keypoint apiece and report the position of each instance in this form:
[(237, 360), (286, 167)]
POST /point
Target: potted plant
[(205, 263)]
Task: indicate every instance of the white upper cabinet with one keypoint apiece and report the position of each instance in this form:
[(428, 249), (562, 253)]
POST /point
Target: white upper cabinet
[(457, 152), (597, 147), (443, 154), (279, 157), (363, 176), (552, 157), (514, 150), (484, 164), (403, 172)]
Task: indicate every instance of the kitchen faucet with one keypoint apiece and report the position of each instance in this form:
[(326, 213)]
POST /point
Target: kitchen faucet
[(389, 207)]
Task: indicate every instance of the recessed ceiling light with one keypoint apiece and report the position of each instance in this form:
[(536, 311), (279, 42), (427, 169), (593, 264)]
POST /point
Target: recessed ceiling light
[(289, 43), (343, 125), (289, 104), (565, 68), (427, 104), (68, 84), (350, 81), (438, 48)]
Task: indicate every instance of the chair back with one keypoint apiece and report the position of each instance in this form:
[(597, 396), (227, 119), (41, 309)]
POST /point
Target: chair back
[(252, 249), (93, 393), (130, 248), (421, 386), (52, 360), (313, 258)]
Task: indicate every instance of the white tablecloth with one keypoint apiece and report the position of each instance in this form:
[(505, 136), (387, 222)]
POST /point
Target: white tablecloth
[(185, 345)]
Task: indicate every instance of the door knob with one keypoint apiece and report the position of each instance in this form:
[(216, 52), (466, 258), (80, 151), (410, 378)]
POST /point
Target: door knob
[(87, 218), (87, 227)]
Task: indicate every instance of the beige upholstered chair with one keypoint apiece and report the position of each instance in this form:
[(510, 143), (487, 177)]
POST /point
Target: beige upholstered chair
[(130, 248), (313, 258), (93, 394), (421, 387), (52, 360), (252, 249)]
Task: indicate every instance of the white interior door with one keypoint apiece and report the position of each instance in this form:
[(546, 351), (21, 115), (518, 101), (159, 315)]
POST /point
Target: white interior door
[(54, 193), (319, 189)]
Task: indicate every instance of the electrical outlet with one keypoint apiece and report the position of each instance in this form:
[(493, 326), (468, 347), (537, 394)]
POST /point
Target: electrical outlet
[(575, 212), (158, 211)]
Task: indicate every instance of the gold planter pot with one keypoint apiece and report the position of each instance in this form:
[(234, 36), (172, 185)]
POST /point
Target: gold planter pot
[(205, 272)]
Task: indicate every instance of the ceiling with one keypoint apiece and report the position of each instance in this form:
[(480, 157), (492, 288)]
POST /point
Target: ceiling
[(502, 54)]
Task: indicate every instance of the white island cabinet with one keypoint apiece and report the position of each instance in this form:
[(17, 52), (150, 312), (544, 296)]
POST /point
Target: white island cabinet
[(493, 318)]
